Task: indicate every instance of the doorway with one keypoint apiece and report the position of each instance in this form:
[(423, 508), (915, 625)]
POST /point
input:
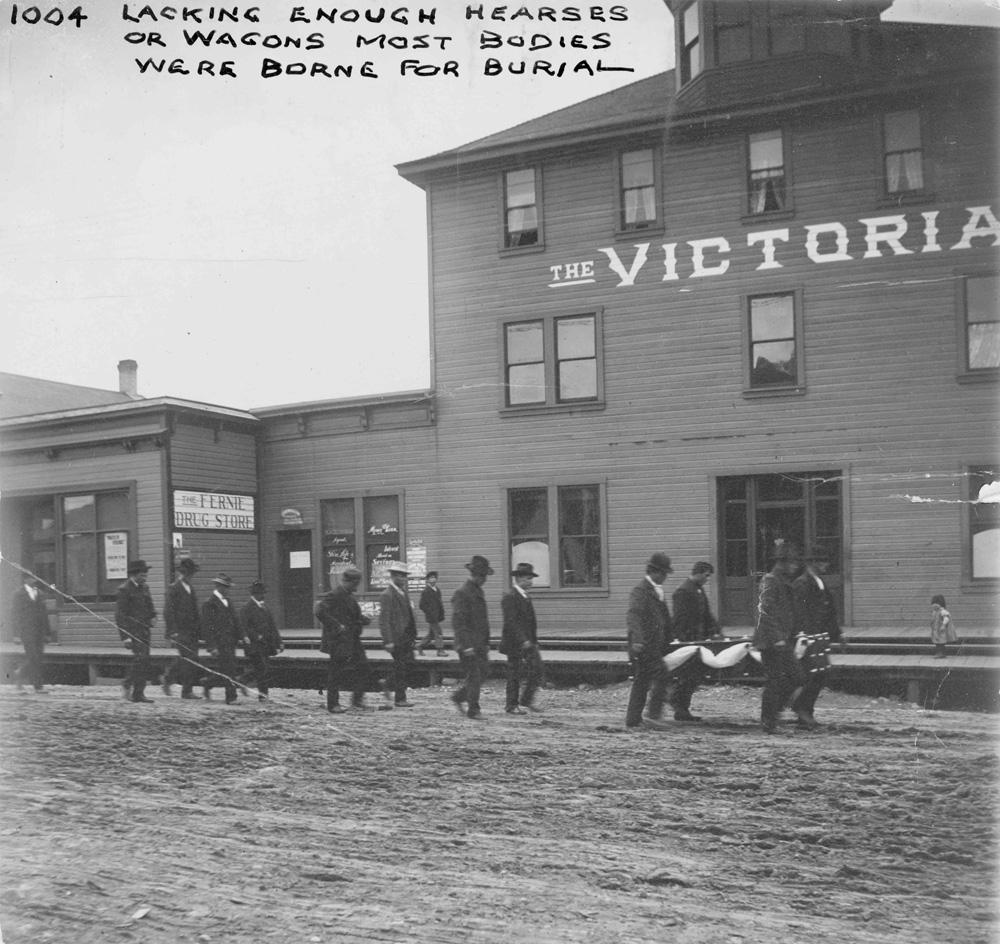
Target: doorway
[(296, 578)]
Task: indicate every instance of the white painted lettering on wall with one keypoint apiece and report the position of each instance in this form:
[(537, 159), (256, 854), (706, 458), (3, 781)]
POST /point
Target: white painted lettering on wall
[(213, 511), (876, 237)]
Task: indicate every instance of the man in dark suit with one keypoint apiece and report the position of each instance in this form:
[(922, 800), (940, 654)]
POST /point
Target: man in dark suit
[(519, 642), (648, 622), (31, 624), (432, 606), (693, 622), (223, 634), (134, 617), (774, 636), (340, 616), (180, 613), (398, 626), (471, 625), (816, 619), (263, 637)]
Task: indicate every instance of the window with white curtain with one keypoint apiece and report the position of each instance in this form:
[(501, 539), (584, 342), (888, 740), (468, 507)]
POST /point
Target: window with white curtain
[(904, 152)]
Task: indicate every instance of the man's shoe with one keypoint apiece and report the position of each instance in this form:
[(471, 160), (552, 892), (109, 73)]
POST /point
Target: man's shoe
[(442, 654), (336, 709), (167, 688), (806, 720), (769, 726), (686, 716), (127, 692), (533, 709), (457, 702), (142, 700), (516, 711), (403, 704), (208, 694), (189, 695), (362, 708), (657, 724), (474, 713)]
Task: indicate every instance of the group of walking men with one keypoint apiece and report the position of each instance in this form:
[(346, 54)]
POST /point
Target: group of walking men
[(214, 624), (795, 601)]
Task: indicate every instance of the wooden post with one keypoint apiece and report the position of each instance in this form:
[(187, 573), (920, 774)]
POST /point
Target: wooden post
[(913, 691)]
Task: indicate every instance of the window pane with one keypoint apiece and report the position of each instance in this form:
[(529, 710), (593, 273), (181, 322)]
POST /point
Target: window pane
[(737, 559), (984, 346), (733, 44), (381, 516), (580, 535), (733, 488), (522, 225), (774, 524), (112, 511), (985, 524), (690, 24), (526, 384), (735, 521), (79, 513), (902, 131), (772, 317), (982, 299), (529, 514), (637, 168), (339, 546), (766, 150), (338, 517), (80, 559), (787, 35), (779, 488), (578, 380), (575, 337), (524, 342), (520, 187), (774, 363)]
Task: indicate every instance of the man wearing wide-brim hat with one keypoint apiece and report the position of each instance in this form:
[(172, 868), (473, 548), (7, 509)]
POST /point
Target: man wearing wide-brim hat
[(223, 634), (519, 642), (471, 626), (182, 616), (135, 616), (398, 626), (263, 639), (774, 636), (649, 632)]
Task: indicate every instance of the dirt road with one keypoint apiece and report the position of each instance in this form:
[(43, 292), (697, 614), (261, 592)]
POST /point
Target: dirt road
[(189, 821)]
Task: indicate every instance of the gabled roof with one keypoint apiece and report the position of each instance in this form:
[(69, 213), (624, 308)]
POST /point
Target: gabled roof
[(24, 396), (643, 103)]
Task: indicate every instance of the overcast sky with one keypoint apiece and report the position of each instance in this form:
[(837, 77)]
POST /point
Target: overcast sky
[(248, 241)]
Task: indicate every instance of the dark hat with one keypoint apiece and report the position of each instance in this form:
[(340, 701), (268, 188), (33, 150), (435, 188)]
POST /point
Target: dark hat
[(523, 570), (257, 587), (137, 567), (818, 552), (429, 574), (223, 580), (659, 561), (702, 567), (188, 566), (479, 565), (351, 573)]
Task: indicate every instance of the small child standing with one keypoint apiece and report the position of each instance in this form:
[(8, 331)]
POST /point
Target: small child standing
[(942, 628)]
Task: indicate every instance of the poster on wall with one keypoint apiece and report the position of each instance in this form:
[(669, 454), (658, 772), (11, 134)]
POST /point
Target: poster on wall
[(116, 555), (416, 560)]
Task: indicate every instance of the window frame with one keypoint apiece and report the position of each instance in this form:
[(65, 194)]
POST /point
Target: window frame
[(684, 48), (798, 387), (552, 487), (552, 404), (967, 374), (720, 28), (657, 225), (99, 600), (784, 13), (895, 198), (360, 538), (969, 582), (539, 244), (788, 210)]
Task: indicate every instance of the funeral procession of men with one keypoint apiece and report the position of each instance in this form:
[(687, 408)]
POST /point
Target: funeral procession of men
[(796, 627)]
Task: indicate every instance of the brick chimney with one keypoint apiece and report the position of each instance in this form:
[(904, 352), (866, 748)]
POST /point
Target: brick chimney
[(128, 378)]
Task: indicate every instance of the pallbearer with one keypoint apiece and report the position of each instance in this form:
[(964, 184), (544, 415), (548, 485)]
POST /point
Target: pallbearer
[(183, 620), (135, 617), (223, 634), (263, 638), (692, 622)]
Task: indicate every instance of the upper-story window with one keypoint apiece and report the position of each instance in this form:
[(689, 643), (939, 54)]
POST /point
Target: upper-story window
[(774, 341), (732, 32), (904, 152), (786, 28), (638, 189), (982, 322), (552, 361), (690, 42), (521, 208), (766, 172)]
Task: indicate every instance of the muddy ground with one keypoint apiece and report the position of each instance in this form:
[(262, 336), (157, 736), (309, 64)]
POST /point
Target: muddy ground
[(276, 822)]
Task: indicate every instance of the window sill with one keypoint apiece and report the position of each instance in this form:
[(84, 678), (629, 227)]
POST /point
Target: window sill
[(631, 234), (758, 219), (565, 593), (756, 393), (544, 409), (987, 375), (906, 198), (522, 250)]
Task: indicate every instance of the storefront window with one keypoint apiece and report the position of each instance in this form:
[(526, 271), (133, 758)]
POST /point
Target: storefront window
[(377, 519)]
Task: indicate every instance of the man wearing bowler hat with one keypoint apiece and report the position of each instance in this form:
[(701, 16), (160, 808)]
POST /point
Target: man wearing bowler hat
[(263, 638), (471, 626), (180, 612), (519, 642), (774, 636), (223, 634), (648, 622), (398, 626), (134, 617)]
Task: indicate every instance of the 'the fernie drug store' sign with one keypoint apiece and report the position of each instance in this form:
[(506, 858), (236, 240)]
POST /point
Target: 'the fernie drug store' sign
[(213, 511)]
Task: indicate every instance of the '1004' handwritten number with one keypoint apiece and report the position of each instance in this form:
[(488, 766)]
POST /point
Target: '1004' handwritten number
[(55, 16)]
